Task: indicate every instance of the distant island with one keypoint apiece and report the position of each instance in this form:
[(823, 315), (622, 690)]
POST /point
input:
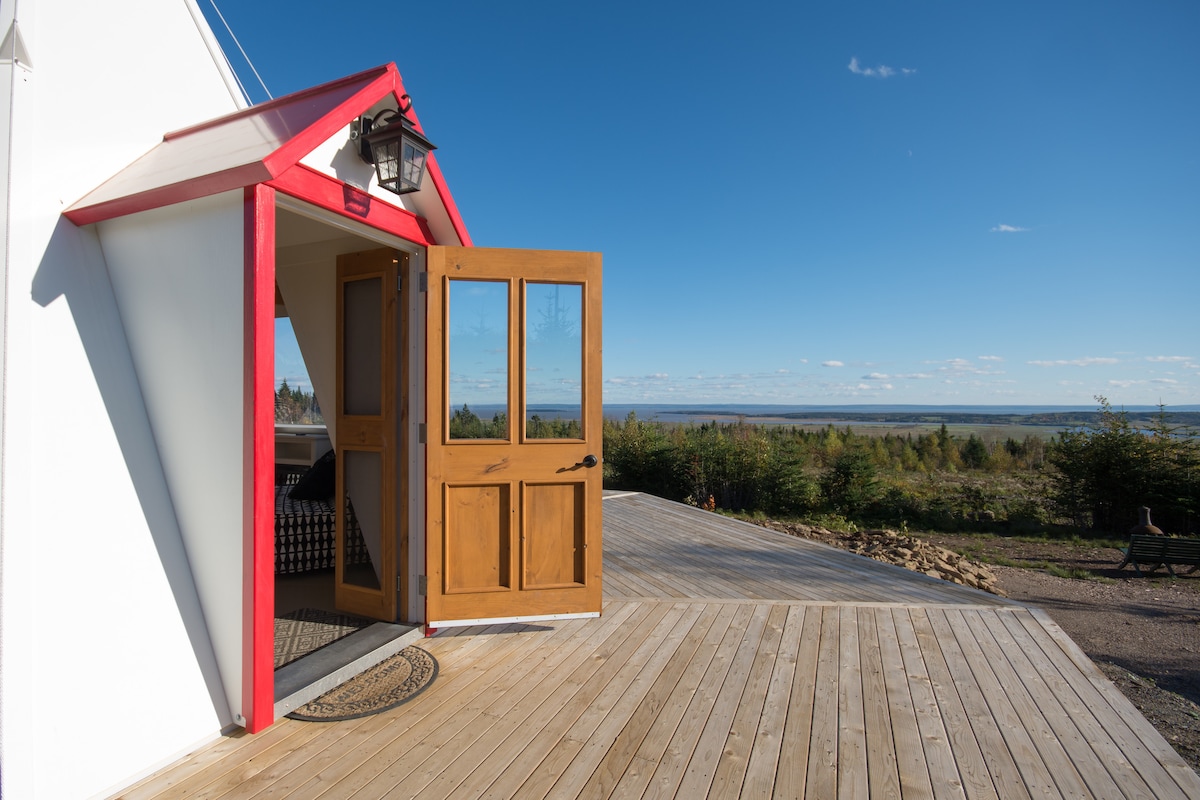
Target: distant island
[(1056, 419)]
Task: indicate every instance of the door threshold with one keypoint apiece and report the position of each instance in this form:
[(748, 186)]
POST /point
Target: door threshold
[(312, 676)]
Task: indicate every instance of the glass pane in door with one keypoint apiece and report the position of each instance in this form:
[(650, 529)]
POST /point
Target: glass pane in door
[(553, 361), (363, 521), (477, 360), (362, 346)]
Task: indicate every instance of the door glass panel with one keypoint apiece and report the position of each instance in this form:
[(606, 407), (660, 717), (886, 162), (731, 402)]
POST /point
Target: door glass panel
[(477, 359), (362, 346), (553, 361), (362, 544)]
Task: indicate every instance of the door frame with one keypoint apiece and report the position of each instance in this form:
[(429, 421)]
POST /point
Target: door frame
[(261, 202)]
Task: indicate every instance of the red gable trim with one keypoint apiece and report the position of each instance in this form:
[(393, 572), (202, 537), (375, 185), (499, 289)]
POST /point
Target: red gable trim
[(311, 186), (250, 146), (237, 178), (456, 220), (314, 135), (373, 75)]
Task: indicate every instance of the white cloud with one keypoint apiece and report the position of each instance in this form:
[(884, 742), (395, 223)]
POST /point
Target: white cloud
[(990, 358), (875, 376), (1008, 229), (1161, 359), (1164, 380), (881, 71), (1124, 384), (658, 376), (1075, 362), (832, 364), (960, 367)]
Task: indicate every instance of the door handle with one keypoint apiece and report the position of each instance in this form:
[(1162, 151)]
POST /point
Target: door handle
[(589, 461)]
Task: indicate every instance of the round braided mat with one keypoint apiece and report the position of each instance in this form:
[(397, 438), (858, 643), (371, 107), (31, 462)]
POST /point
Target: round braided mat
[(385, 685)]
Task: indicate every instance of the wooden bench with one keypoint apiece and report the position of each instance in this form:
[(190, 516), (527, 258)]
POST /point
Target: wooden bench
[(1154, 551)]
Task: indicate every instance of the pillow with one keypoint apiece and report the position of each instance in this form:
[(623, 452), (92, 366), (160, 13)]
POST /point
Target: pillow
[(320, 482)]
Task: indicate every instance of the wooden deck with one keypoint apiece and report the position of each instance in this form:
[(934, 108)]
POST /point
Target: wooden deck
[(730, 661)]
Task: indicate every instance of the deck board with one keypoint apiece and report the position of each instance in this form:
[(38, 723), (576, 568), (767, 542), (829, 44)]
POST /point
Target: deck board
[(730, 661)]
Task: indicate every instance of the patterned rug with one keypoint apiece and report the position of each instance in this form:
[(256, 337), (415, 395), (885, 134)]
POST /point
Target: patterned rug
[(307, 630), (385, 685)]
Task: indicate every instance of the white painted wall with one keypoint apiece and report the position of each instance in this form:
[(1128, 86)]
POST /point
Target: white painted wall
[(105, 655), (178, 279)]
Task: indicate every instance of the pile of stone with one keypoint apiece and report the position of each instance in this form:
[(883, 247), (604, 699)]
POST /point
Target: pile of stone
[(905, 551)]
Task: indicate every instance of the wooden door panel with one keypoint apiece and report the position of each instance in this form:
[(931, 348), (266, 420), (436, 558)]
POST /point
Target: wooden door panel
[(478, 551), (554, 541), (513, 521)]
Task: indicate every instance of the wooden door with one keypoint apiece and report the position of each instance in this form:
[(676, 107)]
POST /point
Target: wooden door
[(514, 420), (369, 440)]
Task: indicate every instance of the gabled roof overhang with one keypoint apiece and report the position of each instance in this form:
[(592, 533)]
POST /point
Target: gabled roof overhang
[(260, 144)]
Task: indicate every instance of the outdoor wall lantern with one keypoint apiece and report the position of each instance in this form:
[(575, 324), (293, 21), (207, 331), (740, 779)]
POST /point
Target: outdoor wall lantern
[(390, 142)]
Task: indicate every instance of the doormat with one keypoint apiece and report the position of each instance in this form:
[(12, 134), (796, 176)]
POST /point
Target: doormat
[(385, 685), (306, 630)]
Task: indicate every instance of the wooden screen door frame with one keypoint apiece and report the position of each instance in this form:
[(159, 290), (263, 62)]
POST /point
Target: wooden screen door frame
[(513, 525), (381, 430)]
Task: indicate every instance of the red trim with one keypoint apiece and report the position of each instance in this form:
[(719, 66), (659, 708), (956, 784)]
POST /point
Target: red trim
[(258, 552), (204, 186), (439, 183), (366, 89), (435, 172), (307, 140), (372, 74), (307, 184)]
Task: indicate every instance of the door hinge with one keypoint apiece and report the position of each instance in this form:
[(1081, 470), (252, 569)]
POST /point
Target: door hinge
[(420, 433), (399, 584), (399, 283), (422, 585), (423, 281)]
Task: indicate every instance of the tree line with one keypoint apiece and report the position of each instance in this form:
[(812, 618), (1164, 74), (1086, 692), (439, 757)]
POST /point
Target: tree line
[(1092, 477), (297, 407)]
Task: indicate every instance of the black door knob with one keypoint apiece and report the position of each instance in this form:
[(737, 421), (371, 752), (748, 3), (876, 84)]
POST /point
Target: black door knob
[(588, 461)]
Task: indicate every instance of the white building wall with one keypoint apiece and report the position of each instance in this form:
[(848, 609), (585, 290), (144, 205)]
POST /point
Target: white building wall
[(178, 277), (105, 654)]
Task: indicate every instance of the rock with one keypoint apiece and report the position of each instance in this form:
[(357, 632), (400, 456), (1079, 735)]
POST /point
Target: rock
[(905, 551)]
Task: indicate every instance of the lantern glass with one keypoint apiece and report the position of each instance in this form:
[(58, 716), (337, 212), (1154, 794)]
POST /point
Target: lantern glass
[(413, 164), (387, 162)]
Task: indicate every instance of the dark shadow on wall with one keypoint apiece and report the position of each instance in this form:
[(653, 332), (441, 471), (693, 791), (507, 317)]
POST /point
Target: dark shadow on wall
[(72, 268)]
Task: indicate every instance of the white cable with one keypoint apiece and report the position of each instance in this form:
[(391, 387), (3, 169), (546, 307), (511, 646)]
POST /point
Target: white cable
[(236, 90), (250, 64)]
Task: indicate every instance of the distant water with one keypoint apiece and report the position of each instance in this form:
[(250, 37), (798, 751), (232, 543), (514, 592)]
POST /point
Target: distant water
[(691, 412)]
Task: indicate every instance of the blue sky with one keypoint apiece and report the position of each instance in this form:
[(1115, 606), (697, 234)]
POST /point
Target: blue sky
[(820, 203)]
